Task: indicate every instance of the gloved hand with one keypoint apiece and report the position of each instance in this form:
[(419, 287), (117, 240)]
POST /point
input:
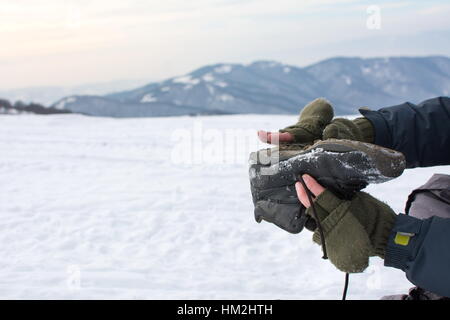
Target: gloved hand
[(313, 119), (354, 229), (359, 129), (315, 123)]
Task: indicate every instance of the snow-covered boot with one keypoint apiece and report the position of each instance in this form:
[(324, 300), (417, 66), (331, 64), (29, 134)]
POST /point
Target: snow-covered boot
[(342, 166)]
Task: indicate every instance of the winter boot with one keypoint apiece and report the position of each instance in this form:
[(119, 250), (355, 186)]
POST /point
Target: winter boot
[(342, 166)]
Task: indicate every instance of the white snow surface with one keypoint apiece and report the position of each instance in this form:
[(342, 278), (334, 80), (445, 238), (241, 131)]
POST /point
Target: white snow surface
[(225, 68), (221, 84), (148, 98), (94, 208), (208, 77), (225, 97), (62, 104), (187, 79)]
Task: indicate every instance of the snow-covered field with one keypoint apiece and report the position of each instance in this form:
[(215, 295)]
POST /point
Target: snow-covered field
[(99, 208)]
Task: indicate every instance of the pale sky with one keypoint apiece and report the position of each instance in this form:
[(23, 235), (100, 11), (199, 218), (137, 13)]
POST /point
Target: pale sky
[(72, 42)]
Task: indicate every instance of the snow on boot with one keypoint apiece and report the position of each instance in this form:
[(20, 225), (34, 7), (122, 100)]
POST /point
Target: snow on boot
[(342, 166)]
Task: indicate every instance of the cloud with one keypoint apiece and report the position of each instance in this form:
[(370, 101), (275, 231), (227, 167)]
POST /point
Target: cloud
[(119, 38)]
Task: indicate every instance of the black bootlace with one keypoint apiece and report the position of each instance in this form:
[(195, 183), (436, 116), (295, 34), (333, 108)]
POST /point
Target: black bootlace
[(322, 236)]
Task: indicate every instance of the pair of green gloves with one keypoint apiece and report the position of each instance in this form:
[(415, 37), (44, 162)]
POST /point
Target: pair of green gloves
[(354, 229)]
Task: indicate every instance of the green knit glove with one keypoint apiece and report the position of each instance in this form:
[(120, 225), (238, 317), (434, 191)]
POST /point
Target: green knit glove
[(315, 123), (354, 230), (313, 119), (359, 129)]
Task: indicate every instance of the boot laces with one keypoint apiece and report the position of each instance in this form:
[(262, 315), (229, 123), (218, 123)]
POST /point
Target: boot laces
[(322, 236)]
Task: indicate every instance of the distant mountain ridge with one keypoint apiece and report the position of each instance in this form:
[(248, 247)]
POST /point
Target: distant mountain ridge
[(269, 87), (47, 95)]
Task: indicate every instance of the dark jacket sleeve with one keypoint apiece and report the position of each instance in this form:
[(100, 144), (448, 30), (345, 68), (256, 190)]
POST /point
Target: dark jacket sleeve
[(420, 248), (421, 132)]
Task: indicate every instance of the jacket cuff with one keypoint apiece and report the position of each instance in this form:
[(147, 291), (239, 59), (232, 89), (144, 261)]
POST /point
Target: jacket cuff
[(403, 242), (381, 134)]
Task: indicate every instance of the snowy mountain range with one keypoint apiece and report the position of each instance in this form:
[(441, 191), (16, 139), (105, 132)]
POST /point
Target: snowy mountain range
[(47, 95), (269, 87)]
